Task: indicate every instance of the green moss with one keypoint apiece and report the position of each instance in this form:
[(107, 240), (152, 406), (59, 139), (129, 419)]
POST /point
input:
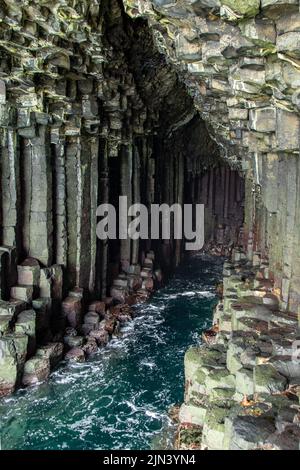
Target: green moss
[(243, 7), (190, 436), (224, 394)]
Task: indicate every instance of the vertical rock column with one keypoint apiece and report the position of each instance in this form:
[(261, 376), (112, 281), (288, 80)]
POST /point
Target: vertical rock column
[(9, 165), (126, 190), (74, 196), (94, 189), (40, 232), (136, 198), (102, 245), (179, 191), (60, 215), (294, 293)]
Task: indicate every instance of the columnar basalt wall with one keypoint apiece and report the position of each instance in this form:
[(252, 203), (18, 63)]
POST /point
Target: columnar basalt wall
[(89, 111), (188, 101), (67, 105), (240, 63)]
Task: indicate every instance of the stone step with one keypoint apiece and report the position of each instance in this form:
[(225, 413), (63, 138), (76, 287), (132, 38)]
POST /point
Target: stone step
[(148, 263), (51, 283), (43, 309), (92, 317), (29, 272), (72, 310), (26, 324), (12, 307), (24, 293), (73, 341), (146, 272), (268, 380), (51, 351), (36, 370), (150, 255), (120, 281), (118, 293), (77, 293), (97, 306), (134, 269)]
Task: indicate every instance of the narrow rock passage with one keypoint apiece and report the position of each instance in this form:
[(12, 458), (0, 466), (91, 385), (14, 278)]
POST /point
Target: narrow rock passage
[(120, 398)]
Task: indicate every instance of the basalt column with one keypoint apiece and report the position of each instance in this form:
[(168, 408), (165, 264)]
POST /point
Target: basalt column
[(86, 118)]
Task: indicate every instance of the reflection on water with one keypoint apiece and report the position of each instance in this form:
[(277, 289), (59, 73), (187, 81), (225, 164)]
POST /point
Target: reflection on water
[(119, 399)]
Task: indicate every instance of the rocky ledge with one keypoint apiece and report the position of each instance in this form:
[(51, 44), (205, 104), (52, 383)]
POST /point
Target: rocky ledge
[(39, 326), (243, 383)]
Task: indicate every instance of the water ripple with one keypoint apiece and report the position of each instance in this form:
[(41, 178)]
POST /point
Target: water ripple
[(119, 399)]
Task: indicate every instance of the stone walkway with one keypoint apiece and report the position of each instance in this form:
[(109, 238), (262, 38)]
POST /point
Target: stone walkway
[(243, 387)]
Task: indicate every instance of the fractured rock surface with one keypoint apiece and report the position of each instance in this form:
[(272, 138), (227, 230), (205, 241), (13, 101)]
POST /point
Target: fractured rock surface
[(253, 402)]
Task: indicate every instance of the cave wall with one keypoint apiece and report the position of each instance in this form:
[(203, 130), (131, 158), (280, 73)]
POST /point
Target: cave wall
[(82, 84), (240, 63), (89, 110), (69, 104)]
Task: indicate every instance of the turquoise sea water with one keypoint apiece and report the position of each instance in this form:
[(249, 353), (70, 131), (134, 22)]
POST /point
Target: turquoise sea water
[(120, 398)]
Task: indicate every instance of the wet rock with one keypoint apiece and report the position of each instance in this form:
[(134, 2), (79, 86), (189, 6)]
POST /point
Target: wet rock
[(71, 331), (148, 284), (98, 307), (118, 293), (8, 366), (20, 342), (36, 370), (134, 282), (71, 308), (92, 317), (26, 323), (90, 346), (75, 355), (73, 341), (52, 352), (110, 324), (101, 336), (77, 293), (86, 328)]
